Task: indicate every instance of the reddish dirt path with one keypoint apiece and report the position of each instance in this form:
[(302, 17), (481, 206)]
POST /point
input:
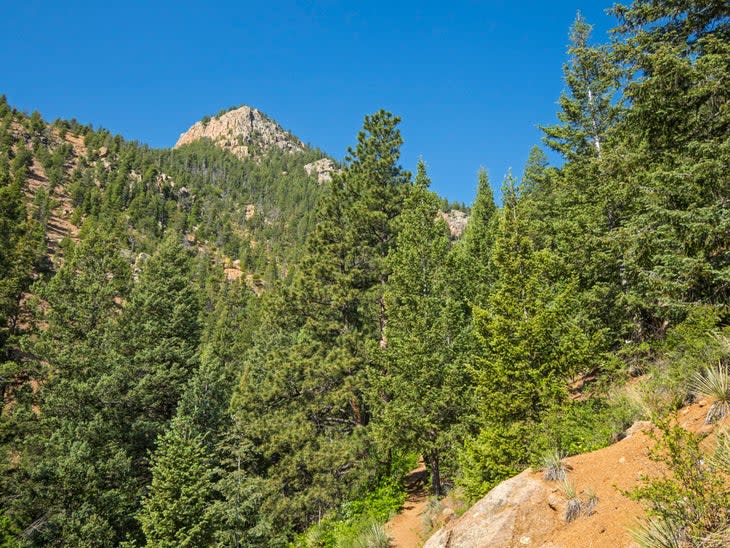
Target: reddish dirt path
[(406, 528)]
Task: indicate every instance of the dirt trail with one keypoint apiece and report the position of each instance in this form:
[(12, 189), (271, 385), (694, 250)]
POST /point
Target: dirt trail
[(406, 528)]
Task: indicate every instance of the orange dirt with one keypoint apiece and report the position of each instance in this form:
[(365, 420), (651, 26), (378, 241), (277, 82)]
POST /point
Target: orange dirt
[(606, 472), (609, 471), (406, 528)]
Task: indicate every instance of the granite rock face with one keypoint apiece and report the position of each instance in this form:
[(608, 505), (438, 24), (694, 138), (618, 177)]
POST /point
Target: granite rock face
[(501, 519), (322, 169), (245, 131)]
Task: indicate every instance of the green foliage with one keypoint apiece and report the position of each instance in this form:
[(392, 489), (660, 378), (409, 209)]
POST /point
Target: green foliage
[(423, 381), (690, 500), (175, 509), (359, 518)]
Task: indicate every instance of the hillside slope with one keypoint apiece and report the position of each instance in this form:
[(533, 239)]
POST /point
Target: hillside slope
[(526, 510)]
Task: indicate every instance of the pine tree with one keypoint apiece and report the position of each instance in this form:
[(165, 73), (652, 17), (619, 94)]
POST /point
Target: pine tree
[(528, 344), (312, 384), (423, 387), (176, 509)]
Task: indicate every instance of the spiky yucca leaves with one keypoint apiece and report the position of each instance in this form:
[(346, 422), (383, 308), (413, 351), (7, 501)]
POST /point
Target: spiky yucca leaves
[(374, 537), (659, 533), (721, 459), (714, 383), (553, 466), (574, 506), (591, 502)]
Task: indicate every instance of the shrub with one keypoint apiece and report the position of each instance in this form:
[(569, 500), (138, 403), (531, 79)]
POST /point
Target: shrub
[(691, 500)]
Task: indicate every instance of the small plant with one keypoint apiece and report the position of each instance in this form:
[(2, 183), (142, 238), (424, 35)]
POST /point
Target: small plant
[(591, 502), (714, 383), (374, 537), (575, 506), (659, 533), (553, 466), (690, 501), (721, 459), (430, 514)]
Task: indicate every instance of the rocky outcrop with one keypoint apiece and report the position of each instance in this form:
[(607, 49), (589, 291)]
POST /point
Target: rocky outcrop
[(501, 518), (322, 169), (456, 220), (245, 131)]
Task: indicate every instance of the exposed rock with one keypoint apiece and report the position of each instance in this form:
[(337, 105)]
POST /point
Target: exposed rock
[(499, 519), (250, 211), (245, 131), (456, 220), (322, 168)]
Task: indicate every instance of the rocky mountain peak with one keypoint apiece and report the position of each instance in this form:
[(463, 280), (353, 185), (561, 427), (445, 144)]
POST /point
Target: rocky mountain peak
[(245, 131)]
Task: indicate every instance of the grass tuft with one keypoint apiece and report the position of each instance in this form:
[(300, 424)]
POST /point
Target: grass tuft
[(714, 383), (591, 502), (574, 507), (553, 466), (374, 537), (658, 533)]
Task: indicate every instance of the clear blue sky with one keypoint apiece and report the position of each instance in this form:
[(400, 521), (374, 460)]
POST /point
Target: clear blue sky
[(471, 80)]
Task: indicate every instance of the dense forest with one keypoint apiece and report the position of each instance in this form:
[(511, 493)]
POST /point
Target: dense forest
[(149, 397)]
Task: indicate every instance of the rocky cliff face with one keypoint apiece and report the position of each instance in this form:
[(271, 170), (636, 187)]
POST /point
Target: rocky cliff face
[(246, 132)]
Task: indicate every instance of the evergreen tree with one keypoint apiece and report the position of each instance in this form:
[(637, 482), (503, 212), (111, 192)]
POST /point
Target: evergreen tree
[(176, 510), (674, 152), (72, 481), (477, 243), (528, 345), (422, 387), (588, 110), (304, 405), (160, 328)]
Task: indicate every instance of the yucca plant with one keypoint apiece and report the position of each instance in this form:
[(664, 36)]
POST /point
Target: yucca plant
[(553, 466), (714, 383), (658, 533), (374, 537), (721, 459), (591, 502), (574, 506)]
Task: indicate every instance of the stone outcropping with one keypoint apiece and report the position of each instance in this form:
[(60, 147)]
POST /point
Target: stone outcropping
[(322, 169), (502, 518), (456, 220), (245, 131)]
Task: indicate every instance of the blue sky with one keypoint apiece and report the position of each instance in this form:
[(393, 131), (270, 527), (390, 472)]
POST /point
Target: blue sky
[(471, 80)]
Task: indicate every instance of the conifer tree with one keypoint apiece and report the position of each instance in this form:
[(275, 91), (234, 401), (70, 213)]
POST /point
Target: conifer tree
[(161, 330), (674, 152), (304, 405), (528, 344), (588, 109), (478, 240), (423, 385), (176, 509), (74, 476)]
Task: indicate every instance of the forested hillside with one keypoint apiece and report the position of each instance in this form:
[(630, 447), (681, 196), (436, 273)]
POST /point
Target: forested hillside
[(199, 348)]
